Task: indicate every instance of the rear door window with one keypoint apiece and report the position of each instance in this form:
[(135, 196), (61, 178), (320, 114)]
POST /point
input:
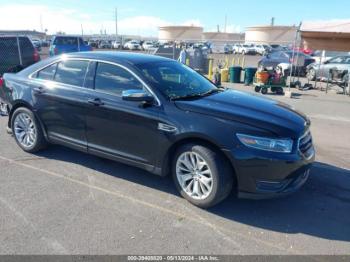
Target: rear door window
[(113, 79), (27, 51), (71, 72), (66, 41), (47, 73)]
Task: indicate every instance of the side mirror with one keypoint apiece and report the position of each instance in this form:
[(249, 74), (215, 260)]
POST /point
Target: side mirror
[(137, 95)]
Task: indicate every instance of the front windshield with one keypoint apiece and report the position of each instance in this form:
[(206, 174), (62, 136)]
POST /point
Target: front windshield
[(175, 80)]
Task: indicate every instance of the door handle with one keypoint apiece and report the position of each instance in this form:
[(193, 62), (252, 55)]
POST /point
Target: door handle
[(95, 102), (39, 90)]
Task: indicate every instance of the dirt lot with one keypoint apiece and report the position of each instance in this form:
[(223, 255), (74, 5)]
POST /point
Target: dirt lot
[(65, 202)]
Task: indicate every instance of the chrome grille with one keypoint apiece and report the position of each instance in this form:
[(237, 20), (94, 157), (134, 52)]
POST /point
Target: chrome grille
[(305, 145)]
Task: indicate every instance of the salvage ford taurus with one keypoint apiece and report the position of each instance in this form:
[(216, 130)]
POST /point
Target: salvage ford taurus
[(159, 115)]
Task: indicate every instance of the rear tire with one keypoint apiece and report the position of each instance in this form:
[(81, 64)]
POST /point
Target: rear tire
[(202, 175), (27, 131)]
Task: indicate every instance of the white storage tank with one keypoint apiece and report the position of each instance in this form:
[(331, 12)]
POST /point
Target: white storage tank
[(180, 33), (270, 34)]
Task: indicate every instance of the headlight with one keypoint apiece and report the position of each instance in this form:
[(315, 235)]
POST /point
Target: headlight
[(267, 144)]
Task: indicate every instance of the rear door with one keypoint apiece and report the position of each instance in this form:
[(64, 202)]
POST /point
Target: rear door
[(330, 64), (60, 101)]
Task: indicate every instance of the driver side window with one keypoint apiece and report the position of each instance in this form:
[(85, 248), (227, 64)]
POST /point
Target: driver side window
[(114, 80)]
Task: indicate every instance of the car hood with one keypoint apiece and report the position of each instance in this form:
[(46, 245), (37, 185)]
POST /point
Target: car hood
[(267, 114)]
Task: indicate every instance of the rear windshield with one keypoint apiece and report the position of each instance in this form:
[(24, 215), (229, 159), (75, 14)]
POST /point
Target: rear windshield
[(66, 41)]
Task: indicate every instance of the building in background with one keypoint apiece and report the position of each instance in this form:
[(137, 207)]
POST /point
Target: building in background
[(31, 34), (180, 33), (270, 34)]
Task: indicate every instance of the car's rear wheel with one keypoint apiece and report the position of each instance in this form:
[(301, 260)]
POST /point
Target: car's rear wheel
[(27, 130), (202, 175)]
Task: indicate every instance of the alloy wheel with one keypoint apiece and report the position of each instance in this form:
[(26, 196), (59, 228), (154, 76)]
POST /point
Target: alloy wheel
[(194, 175), (25, 130)]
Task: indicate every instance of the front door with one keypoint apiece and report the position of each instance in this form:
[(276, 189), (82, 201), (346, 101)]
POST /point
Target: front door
[(117, 128)]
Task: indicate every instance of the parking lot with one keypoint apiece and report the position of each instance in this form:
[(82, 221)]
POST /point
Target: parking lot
[(65, 202)]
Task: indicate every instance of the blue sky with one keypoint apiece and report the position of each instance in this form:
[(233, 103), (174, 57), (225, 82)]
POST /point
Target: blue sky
[(144, 16)]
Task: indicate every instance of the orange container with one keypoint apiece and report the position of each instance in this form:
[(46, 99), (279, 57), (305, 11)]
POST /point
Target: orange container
[(262, 77)]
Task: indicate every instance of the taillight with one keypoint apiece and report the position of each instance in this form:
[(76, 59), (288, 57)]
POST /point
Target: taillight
[(36, 55), (1, 81), (55, 51)]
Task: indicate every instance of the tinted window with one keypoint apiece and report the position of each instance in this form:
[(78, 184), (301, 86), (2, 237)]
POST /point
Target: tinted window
[(47, 73), (66, 41), (114, 79), (71, 72), (26, 45)]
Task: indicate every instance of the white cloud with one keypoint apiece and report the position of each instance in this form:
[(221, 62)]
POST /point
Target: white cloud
[(68, 20)]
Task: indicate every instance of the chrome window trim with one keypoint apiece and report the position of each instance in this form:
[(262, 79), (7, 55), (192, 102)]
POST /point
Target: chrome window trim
[(95, 60)]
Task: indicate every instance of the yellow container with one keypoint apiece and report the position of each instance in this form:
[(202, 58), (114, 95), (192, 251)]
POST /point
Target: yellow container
[(224, 75)]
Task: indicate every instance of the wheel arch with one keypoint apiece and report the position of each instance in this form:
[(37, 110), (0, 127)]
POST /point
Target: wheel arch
[(21, 103), (167, 160)]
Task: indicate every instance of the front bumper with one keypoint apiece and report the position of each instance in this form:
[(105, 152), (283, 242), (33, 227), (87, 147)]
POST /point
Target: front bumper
[(262, 175)]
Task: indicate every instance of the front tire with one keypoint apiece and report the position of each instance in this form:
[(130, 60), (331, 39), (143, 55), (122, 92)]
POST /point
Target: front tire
[(311, 74), (202, 175), (27, 130)]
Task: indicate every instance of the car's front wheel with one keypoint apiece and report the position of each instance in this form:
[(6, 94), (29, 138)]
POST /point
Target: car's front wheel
[(27, 130), (202, 175), (311, 74)]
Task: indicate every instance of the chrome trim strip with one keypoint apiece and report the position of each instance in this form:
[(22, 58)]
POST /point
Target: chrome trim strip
[(313, 149), (60, 59)]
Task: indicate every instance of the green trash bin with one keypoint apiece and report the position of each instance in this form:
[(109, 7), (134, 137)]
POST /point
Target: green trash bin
[(249, 74), (235, 74)]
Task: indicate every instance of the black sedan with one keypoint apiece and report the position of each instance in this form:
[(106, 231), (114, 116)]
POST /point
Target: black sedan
[(272, 60), (157, 114)]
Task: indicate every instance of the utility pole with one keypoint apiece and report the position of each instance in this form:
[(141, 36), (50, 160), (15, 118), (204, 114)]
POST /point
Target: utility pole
[(116, 24), (225, 23), (41, 24), (82, 30)]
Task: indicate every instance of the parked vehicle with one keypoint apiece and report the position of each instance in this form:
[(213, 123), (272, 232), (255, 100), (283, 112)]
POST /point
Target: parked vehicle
[(323, 71), (116, 45), (261, 49), (67, 44), (148, 45), (104, 45), (221, 48), (133, 45), (9, 50), (322, 56), (11, 61), (243, 49), (140, 110), (93, 43), (272, 60)]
